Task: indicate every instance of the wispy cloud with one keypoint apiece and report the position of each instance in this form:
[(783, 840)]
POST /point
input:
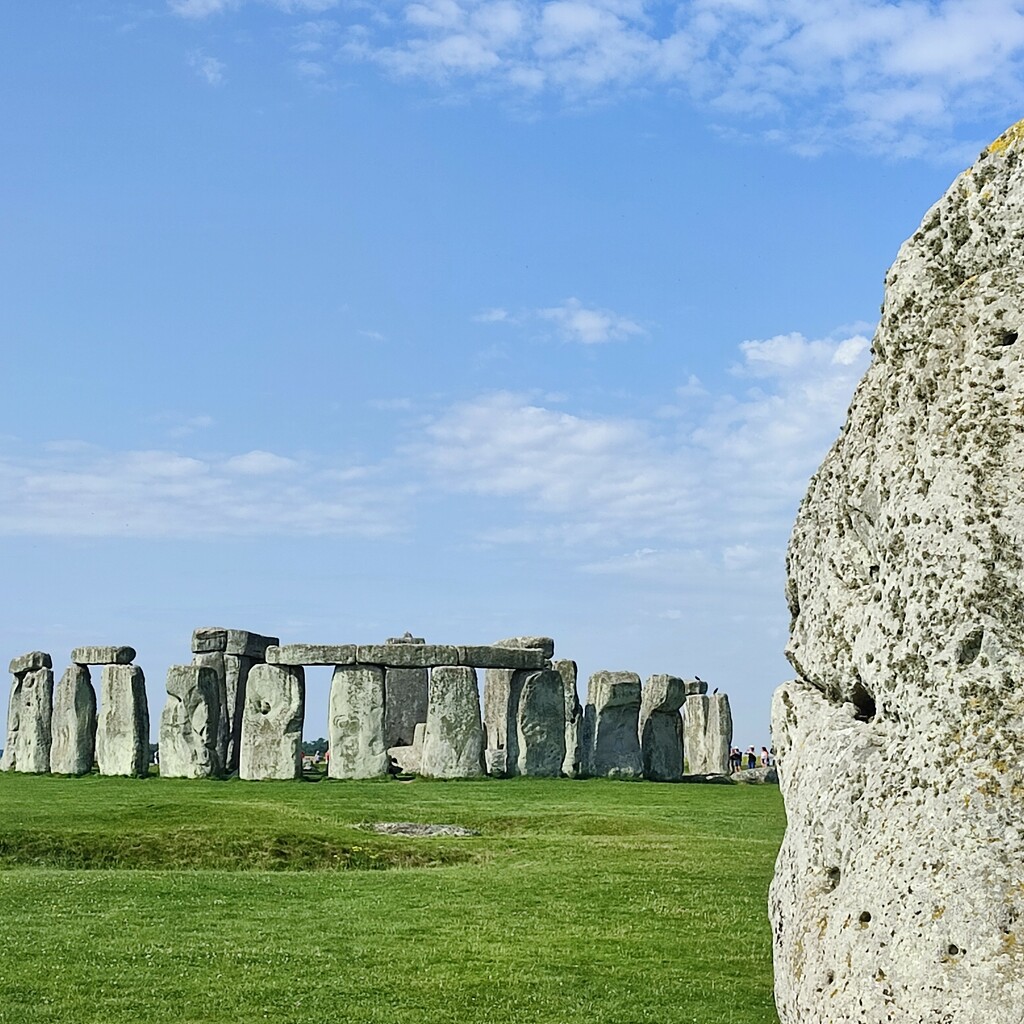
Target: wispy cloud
[(209, 69), (572, 321)]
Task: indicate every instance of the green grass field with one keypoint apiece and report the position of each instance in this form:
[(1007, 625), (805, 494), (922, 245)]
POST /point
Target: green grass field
[(174, 901)]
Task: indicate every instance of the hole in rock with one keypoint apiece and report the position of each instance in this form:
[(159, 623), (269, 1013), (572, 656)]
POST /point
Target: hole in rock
[(834, 875), (970, 647), (1007, 338), (953, 949), (863, 701), (865, 917)]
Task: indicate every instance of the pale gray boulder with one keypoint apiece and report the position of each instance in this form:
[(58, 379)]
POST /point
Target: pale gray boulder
[(573, 711), (122, 727), (540, 724), (661, 728), (497, 691), (611, 741), (408, 756), (103, 655), (275, 705), (453, 741), (356, 723), (898, 891), (190, 723), (718, 739), (29, 715), (696, 715), (73, 746)]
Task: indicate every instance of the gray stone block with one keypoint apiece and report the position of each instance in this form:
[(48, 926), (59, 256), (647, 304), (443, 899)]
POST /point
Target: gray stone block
[(453, 741), (405, 704), (30, 662), (407, 655), (573, 716), (408, 638), (73, 747), (122, 729), (540, 643), (696, 710), (240, 642), (297, 655), (103, 655), (29, 718), (502, 657), (275, 706), (190, 723), (356, 723), (611, 726), (540, 724), (661, 728), (695, 687)]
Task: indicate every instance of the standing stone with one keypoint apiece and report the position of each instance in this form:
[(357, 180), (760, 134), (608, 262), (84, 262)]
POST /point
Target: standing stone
[(407, 692), (898, 891), (718, 738), (356, 723), (501, 698), (696, 713), (611, 741), (122, 730), (453, 741), (275, 706), (189, 724), (73, 749), (540, 724), (573, 716), (661, 728), (29, 713)]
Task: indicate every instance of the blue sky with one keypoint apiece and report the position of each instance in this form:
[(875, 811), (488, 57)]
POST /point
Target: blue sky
[(333, 319)]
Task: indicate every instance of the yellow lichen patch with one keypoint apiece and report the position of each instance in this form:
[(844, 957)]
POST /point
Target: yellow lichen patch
[(937, 913), (1012, 135)]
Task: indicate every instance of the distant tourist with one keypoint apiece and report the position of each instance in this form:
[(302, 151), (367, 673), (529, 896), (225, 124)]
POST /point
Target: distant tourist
[(751, 758), (735, 760), (766, 758)]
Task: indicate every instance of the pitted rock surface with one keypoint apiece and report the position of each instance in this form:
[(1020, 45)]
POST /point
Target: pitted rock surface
[(898, 891)]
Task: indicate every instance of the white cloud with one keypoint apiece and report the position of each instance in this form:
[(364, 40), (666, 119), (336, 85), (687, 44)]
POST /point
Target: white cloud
[(200, 8), (493, 316), (209, 69), (258, 463), (589, 326)]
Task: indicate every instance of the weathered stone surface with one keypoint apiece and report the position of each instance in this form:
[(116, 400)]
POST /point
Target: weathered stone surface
[(275, 705), (30, 662), (756, 775), (406, 638), (190, 723), (240, 642), (718, 739), (405, 705), (695, 686), (407, 655), (502, 657), (73, 746), (103, 655), (453, 741), (122, 728), (408, 756), (28, 717), (540, 724), (497, 691), (495, 762), (356, 723), (611, 743), (696, 711), (573, 716), (541, 643), (297, 655), (232, 672), (897, 894), (661, 728)]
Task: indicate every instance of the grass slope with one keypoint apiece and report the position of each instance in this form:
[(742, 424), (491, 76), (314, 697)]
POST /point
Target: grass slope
[(601, 901)]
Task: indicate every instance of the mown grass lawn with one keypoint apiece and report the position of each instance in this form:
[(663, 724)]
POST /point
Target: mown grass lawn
[(173, 901)]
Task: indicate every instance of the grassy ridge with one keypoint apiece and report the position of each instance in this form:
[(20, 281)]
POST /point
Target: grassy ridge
[(609, 902)]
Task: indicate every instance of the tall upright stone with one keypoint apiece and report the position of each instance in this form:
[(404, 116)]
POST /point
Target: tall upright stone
[(73, 748), (573, 716), (718, 738), (696, 712), (406, 695), (502, 690), (898, 890), (271, 740), (122, 729), (29, 712), (356, 723), (661, 728), (453, 741), (611, 740), (540, 724), (190, 723)]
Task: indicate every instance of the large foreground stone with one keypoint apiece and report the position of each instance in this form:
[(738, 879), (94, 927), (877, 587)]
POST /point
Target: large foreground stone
[(29, 712), (122, 729), (611, 741), (661, 728), (898, 892), (190, 723), (453, 741), (356, 723), (73, 746), (275, 706)]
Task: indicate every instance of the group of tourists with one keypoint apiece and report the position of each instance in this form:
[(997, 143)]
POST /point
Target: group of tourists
[(738, 760)]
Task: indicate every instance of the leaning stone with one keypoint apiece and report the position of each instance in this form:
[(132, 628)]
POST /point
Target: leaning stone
[(610, 726), (540, 724), (275, 706), (405, 704), (573, 716), (297, 655), (407, 655), (190, 723), (695, 687), (122, 729), (103, 655), (30, 662), (541, 643), (898, 889), (73, 750), (356, 723), (29, 717), (453, 742), (502, 657), (661, 728)]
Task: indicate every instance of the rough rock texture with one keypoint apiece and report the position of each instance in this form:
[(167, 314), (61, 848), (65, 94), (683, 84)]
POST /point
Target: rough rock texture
[(501, 657), (898, 892), (611, 743), (232, 672), (108, 655), (695, 686), (29, 713), (239, 642), (122, 728), (407, 655), (573, 716), (718, 738), (405, 705), (275, 704), (356, 723), (661, 728), (190, 724), (297, 655), (501, 698), (453, 741), (540, 724), (408, 756), (73, 745), (538, 643), (696, 710), (497, 691)]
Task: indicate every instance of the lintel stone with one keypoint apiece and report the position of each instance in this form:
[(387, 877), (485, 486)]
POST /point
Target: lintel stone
[(502, 657), (297, 655), (241, 642), (30, 662), (103, 655), (407, 655)]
